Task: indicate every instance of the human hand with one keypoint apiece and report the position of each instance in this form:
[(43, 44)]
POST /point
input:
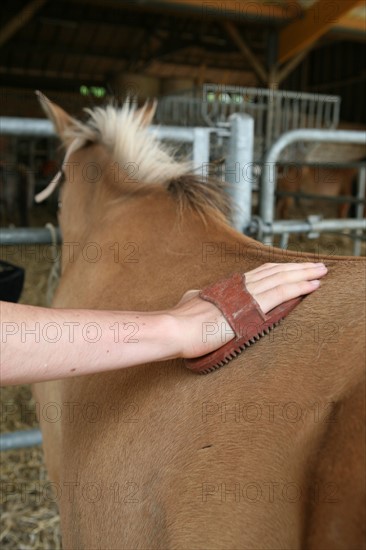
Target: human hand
[(270, 284)]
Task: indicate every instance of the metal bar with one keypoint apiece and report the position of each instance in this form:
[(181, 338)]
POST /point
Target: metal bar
[(327, 115), (199, 137), (284, 240), (264, 92), (201, 148), (319, 114), (268, 181), (27, 235), (293, 226), (239, 166), (17, 126), (271, 107), (361, 191), (336, 114), (331, 165), (311, 116), (39, 127), (20, 439), (26, 126), (312, 196)]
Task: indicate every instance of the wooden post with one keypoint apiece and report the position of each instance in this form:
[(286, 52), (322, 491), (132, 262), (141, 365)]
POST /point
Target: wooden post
[(246, 51)]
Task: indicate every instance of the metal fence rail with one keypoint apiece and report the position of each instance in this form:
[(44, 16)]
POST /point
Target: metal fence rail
[(28, 235), (198, 137), (20, 439), (267, 226)]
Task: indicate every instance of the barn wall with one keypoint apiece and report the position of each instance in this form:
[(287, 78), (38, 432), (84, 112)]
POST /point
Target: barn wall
[(135, 85), (335, 69), (23, 102)]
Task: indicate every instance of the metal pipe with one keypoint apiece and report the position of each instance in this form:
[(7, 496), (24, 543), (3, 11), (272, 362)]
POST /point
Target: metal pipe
[(239, 168), (25, 235), (20, 439), (201, 148), (326, 163), (312, 196), (199, 137), (175, 133), (284, 240), (14, 126), (361, 191), (17, 126), (268, 182), (265, 92), (305, 226)]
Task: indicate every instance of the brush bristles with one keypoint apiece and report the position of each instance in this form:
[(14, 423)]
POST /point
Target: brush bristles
[(238, 351)]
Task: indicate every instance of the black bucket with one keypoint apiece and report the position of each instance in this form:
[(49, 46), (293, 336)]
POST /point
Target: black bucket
[(11, 281)]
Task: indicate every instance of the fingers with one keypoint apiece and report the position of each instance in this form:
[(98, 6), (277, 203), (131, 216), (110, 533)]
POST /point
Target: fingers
[(285, 277), (269, 269), (274, 284), (278, 295)]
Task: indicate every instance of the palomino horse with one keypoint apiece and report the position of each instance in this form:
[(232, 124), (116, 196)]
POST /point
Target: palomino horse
[(267, 452)]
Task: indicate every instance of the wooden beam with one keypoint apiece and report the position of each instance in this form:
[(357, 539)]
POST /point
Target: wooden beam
[(48, 73), (320, 17), (351, 23), (211, 74), (233, 9), (21, 19), (258, 67), (230, 8)]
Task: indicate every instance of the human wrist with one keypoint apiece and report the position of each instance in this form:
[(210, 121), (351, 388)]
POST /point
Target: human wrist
[(170, 335)]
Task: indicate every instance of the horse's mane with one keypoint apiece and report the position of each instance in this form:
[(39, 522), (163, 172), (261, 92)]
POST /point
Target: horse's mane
[(123, 131)]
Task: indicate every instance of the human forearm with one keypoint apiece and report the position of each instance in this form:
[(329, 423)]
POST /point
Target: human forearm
[(43, 344), (40, 344)]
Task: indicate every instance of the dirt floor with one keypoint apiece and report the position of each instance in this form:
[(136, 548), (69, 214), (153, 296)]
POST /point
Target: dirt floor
[(29, 515)]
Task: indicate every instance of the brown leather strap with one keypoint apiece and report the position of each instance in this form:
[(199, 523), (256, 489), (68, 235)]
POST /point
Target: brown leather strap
[(235, 302)]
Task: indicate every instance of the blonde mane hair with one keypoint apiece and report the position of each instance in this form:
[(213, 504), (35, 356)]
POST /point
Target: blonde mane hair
[(125, 134)]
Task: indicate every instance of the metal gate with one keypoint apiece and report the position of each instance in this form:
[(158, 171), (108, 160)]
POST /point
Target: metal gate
[(274, 112)]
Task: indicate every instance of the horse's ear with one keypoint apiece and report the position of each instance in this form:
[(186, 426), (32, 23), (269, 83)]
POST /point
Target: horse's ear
[(59, 118), (147, 112)]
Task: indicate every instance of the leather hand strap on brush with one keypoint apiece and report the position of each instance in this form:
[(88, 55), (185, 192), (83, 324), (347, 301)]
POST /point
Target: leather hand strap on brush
[(244, 316)]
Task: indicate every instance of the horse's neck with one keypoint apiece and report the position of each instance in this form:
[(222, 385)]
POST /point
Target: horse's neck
[(144, 253), (151, 248)]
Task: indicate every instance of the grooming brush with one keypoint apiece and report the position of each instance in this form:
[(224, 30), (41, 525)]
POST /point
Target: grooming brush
[(245, 317)]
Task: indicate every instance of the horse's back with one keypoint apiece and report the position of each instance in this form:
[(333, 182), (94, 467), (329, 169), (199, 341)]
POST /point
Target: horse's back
[(155, 457), (336, 514)]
